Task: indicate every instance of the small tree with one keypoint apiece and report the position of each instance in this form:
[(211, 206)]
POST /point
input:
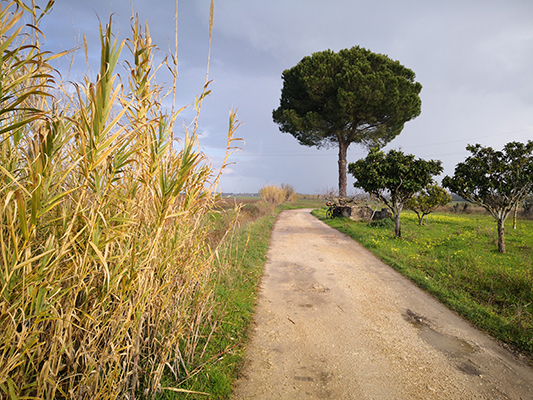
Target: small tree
[(495, 180), (427, 201), (393, 178)]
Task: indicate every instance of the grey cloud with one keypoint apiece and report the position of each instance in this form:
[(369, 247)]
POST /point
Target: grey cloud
[(473, 58)]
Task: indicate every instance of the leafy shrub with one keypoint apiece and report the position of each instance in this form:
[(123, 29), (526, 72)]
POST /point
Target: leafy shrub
[(383, 223)]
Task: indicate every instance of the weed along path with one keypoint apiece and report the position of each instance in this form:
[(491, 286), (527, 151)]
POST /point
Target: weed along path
[(334, 322)]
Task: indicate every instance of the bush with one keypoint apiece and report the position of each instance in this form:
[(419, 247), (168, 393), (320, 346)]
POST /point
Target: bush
[(290, 194), (272, 194), (382, 223)]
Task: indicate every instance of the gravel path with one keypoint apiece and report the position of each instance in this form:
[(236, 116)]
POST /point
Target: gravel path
[(334, 322)]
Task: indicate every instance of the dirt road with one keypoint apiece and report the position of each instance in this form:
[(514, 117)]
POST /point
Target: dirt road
[(334, 322)]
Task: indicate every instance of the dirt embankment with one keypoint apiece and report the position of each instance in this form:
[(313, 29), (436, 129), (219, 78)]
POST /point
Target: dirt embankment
[(335, 322)]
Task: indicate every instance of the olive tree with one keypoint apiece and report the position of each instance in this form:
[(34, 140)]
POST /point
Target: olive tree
[(495, 180), (354, 96), (427, 201), (393, 178)]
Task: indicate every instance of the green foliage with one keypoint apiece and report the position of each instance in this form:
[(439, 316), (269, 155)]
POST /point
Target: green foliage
[(393, 178), (382, 223), (455, 260), (353, 96), (495, 180), (427, 201)]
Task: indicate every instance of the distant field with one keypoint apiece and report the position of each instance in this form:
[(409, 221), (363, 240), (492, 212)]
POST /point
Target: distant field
[(304, 201), (455, 258)]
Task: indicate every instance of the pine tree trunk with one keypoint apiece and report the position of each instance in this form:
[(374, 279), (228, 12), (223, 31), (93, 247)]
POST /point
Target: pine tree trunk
[(501, 235), (343, 150)]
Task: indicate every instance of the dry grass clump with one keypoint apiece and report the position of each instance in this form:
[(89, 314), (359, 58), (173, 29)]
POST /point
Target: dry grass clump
[(104, 246), (272, 194), (276, 195), (290, 194)]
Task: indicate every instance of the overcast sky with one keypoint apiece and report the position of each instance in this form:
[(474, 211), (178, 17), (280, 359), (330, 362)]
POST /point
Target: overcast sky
[(473, 58)]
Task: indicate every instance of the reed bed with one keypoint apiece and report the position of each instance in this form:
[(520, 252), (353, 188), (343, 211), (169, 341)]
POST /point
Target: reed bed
[(105, 260), (276, 195)]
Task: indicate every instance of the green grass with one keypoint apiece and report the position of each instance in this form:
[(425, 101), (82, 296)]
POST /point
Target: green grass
[(304, 203), (456, 259)]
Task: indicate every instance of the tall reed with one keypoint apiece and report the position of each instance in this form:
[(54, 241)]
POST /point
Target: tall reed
[(105, 258)]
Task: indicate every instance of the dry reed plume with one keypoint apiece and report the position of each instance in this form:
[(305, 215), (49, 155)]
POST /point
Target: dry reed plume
[(276, 195), (272, 194), (104, 246)]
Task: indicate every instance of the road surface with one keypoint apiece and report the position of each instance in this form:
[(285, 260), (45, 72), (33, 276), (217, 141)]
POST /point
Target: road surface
[(334, 322)]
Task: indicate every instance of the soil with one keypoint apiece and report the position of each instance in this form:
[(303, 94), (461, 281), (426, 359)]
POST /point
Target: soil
[(334, 322)]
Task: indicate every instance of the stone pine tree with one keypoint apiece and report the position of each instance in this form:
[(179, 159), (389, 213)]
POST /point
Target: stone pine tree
[(495, 180), (354, 96), (393, 178)]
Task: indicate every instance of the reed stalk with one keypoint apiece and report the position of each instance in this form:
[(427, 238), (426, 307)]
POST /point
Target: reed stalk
[(105, 257)]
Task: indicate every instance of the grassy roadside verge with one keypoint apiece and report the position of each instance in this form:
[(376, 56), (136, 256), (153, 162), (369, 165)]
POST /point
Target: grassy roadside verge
[(240, 269), (455, 259)]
